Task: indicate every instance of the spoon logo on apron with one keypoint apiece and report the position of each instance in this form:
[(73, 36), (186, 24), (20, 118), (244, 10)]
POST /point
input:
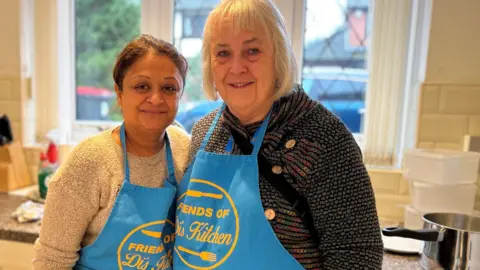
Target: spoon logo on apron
[(207, 219), (148, 246)]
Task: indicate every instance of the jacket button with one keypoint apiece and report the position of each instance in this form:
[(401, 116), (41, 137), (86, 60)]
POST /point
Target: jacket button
[(290, 144), (277, 169), (270, 214)]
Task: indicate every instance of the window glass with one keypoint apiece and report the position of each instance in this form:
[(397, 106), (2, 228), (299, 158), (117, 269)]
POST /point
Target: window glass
[(102, 28), (335, 64), (190, 17)]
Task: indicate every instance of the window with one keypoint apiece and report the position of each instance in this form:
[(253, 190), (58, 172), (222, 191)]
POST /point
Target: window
[(330, 38), (102, 28), (190, 17), (335, 57), (193, 24)]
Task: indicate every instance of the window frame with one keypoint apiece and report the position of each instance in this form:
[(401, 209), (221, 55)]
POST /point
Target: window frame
[(418, 42), (157, 18)]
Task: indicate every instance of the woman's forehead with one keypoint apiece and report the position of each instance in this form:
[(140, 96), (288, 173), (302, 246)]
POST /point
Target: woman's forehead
[(154, 66)]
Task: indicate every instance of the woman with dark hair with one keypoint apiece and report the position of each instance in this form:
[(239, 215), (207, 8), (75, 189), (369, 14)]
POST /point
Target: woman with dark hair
[(109, 206)]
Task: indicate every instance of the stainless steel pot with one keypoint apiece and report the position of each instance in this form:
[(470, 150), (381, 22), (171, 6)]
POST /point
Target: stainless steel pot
[(452, 241)]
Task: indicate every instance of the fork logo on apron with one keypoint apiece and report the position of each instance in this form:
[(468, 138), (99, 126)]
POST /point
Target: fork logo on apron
[(211, 219)]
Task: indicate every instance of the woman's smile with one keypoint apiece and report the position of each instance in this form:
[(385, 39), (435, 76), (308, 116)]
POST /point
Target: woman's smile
[(240, 85)]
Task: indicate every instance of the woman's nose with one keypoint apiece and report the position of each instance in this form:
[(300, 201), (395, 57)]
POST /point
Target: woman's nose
[(156, 97), (238, 65)]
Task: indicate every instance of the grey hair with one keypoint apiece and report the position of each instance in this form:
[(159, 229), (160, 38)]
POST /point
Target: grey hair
[(249, 15)]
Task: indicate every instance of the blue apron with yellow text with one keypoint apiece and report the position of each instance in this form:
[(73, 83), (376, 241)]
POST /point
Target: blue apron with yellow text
[(220, 220), (139, 232)]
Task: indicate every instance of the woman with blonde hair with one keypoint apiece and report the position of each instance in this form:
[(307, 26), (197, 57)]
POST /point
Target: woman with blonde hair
[(275, 180)]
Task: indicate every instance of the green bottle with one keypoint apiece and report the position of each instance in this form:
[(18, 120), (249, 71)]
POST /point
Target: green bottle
[(48, 166), (44, 173)]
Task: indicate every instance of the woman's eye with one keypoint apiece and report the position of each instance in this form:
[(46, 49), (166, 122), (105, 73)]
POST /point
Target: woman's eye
[(170, 88), (253, 51), (142, 87), (222, 54)]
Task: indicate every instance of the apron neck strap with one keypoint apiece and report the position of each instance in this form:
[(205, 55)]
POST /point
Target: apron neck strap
[(170, 165), (258, 137), (168, 150), (126, 168), (212, 127), (260, 134)]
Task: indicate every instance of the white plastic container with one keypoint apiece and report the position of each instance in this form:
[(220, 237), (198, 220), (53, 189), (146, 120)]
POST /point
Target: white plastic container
[(413, 219), (441, 167), (430, 198)]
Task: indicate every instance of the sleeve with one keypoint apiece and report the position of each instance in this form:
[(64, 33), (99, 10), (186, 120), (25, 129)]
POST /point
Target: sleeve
[(73, 200), (343, 207)]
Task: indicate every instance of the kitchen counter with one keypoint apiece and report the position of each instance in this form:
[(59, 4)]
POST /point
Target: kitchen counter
[(401, 262), (11, 230)]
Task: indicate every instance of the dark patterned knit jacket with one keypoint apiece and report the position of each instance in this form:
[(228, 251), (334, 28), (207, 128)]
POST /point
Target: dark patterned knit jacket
[(320, 158)]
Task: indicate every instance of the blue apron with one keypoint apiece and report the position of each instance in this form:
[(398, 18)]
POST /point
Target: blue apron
[(220, 220), (139, 232)]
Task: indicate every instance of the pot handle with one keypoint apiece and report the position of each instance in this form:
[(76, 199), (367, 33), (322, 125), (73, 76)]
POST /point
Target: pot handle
[(429, 235)]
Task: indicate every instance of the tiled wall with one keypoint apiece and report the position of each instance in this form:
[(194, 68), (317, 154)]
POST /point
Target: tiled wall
[(32, 158), (10, 47), (15, 74), (453, 55), (11, 102), (46, 75), (450, 106), (448, 112), (391, 193), (10, 65), (450, 97)]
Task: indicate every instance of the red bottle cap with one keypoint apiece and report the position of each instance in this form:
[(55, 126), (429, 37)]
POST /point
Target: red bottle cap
[(52, 153)]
